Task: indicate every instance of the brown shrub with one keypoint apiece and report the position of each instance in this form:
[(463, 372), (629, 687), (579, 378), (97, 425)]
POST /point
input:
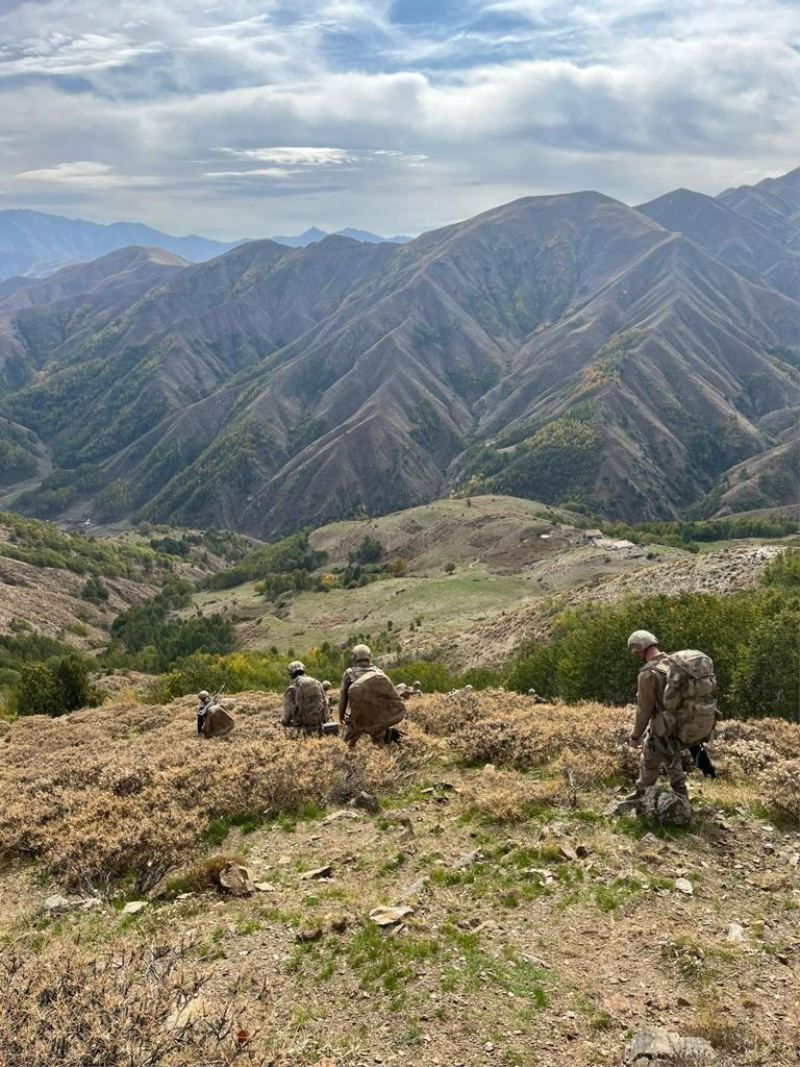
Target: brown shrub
[(504, 797), (64, 1007), (780, 790), (121, 790)]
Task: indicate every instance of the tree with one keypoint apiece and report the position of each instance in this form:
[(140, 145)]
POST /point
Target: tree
[(38, 691), (55, 687)]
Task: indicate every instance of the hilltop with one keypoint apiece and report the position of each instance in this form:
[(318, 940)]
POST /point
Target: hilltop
[(568, 349), (538, 928)]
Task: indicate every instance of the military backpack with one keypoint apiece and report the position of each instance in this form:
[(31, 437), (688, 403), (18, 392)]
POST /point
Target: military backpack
[(311, 703), (690, 696), (373, 704)]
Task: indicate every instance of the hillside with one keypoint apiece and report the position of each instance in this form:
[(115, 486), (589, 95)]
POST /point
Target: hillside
[(44, 573), (537, 928), (475, 582), (568, 349)]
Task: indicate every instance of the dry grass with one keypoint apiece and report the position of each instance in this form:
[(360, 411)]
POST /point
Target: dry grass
[(67, 1007), (128, 792)]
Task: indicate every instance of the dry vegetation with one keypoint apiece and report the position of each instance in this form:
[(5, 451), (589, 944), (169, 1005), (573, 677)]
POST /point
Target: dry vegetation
[(542, 930)]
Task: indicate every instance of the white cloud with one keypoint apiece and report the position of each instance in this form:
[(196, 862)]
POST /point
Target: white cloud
[(331, 113)]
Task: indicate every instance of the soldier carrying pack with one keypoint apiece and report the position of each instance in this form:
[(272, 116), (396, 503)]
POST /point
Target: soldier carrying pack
[(690, 696), (369, 702), (305, 703), (213, 720)]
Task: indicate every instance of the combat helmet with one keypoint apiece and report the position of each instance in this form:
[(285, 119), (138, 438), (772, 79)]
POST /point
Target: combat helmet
[(641, 640)]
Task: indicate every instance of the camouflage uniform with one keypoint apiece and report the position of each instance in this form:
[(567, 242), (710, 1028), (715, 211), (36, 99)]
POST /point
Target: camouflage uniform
[(660, 754)]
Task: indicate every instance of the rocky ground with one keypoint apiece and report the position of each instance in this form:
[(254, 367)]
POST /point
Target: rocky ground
[(526, 925)]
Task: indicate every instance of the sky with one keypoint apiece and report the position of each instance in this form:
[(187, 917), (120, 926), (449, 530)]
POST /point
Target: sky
[(247, 118)]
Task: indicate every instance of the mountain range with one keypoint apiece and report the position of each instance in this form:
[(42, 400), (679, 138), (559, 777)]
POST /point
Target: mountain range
[(34, 244), (639, 363)]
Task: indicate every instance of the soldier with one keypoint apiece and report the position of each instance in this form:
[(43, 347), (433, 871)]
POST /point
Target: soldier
[(304, 702), (205, 704), (535, 696), (362, 663), (368, 701), (213, 721), (328, 700), (660, 751), (416, 689)]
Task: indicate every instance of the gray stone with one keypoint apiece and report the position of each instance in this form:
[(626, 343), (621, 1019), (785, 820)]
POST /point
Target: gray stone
[(660, 1047)]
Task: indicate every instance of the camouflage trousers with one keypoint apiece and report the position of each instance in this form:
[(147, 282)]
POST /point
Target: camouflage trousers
[(659, 758)]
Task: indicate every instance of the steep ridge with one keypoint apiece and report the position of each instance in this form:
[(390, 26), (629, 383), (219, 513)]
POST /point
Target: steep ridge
[(728, 236), (564, 348), (773, 205)]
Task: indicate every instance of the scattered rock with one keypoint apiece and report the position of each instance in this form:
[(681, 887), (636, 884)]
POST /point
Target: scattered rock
[(307, 934), (736, 935), (489, 768), (663, 1048), (568, 852), (133, 907), (683, 885), (183, 1017), (58, 903), (388, 916), (264, 887), (235, 880), (318, 873)]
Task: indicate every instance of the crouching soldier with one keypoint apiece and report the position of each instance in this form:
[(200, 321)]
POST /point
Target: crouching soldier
[(305, 703), (368, 701), (212, 719), (676, 710)]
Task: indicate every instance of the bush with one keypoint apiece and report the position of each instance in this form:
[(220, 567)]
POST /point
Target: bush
[(780, 790), (753, 638), (369, 551), (94, 590), (55, 687)]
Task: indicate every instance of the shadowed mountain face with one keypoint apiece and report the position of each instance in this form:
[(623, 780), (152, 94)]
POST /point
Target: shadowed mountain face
[(35, 244), (565, 348)]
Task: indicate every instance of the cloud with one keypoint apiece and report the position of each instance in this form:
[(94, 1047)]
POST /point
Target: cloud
[(257, 116)]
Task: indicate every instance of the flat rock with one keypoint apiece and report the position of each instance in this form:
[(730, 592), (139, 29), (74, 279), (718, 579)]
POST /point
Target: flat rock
[(317, 873), (660, 1047), (683, 885), (133, 907), (388, 916)]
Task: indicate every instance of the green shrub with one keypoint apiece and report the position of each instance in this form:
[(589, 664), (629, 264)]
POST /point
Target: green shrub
[(753, 638), (55, 687), (94, 590)]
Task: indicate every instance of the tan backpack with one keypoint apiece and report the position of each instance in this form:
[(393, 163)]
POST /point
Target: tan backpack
[(373, 704), (217, 722), (690, 696), (310, 704)]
